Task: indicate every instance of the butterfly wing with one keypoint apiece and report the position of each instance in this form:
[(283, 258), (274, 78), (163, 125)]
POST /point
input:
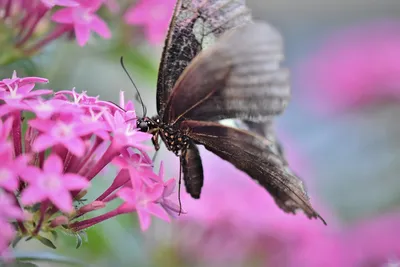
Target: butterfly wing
[(192, 170), (237, 77), (252, 154), (194, 25), (265, 129)]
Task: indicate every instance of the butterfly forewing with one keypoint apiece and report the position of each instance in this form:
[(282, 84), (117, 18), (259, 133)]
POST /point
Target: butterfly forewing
[(194, 25), (238, 77), (252, 154)]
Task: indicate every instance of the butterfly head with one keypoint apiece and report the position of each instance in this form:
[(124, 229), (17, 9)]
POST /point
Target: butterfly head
[(147, 124)]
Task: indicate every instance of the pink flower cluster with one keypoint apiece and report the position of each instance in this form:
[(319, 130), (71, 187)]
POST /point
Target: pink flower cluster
[(353, 67), (29, 25), (236, 223), (153, 15), (53, 146), (29, 21)]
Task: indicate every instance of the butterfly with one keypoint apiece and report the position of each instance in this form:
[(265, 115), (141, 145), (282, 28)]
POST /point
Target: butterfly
[(219, 64)]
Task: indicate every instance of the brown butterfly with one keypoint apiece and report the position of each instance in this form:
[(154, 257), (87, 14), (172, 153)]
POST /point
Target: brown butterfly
[(237, 76)]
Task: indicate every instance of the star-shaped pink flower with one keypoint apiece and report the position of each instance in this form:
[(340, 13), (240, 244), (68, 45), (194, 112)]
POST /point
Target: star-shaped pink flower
[(66, 133), (10, 168), (15, 90), (45, 109), (51, 184), (84, 20), (5, 129), (52, 3), (153, 15), (8, 209), (17, 81), (169, 187), (143, 200), (138, 166), (125, 133)]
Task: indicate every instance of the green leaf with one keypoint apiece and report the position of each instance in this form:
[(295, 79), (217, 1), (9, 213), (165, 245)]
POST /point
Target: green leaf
[(81, 237), (19, 264), (54, 234), (45, 241), (79, 241), (16, 241), (46, 257)]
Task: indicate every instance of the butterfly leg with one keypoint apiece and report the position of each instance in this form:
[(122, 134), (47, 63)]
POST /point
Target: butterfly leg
[(156, 144), (179, 184)]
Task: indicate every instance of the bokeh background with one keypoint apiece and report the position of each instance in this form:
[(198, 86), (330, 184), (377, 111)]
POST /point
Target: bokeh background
[(341, 134)]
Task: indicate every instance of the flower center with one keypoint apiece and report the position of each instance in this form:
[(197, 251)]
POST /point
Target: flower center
[(64, 130), (44, 107), (83, 15), (51, 182), (14, 93)]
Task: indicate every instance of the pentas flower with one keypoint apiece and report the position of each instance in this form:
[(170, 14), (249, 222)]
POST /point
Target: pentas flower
[(83, 19), (9, 211), (51, 183), (153, 15), (29, 27), (52, 3), (49, 160), (353, 67)]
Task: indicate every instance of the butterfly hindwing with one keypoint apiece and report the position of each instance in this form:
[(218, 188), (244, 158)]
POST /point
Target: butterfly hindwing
[(252, 154), (194, 25), (237, 77)]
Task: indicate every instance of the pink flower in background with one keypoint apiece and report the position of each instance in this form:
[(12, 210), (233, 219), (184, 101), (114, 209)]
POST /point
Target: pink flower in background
[(153, 15), (50, 159), (112, 5), (353, 67), (31, 24), (84, 20), (374, 241), (236, 219), (236, 222), (52, 3)]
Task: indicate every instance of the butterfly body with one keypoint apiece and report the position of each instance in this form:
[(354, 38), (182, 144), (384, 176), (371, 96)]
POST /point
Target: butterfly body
[(174, 139)]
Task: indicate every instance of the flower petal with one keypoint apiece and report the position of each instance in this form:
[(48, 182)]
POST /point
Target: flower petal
[(158, 211), (76, 146), (144, 219), (169, 187), (53, 164), (82, 33), (63, 200), (32, 195), (43, 142), (75, 182), (64, 15), (100, 27)]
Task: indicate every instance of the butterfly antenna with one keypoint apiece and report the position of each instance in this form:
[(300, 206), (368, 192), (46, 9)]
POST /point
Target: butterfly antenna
[(134, 85)]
